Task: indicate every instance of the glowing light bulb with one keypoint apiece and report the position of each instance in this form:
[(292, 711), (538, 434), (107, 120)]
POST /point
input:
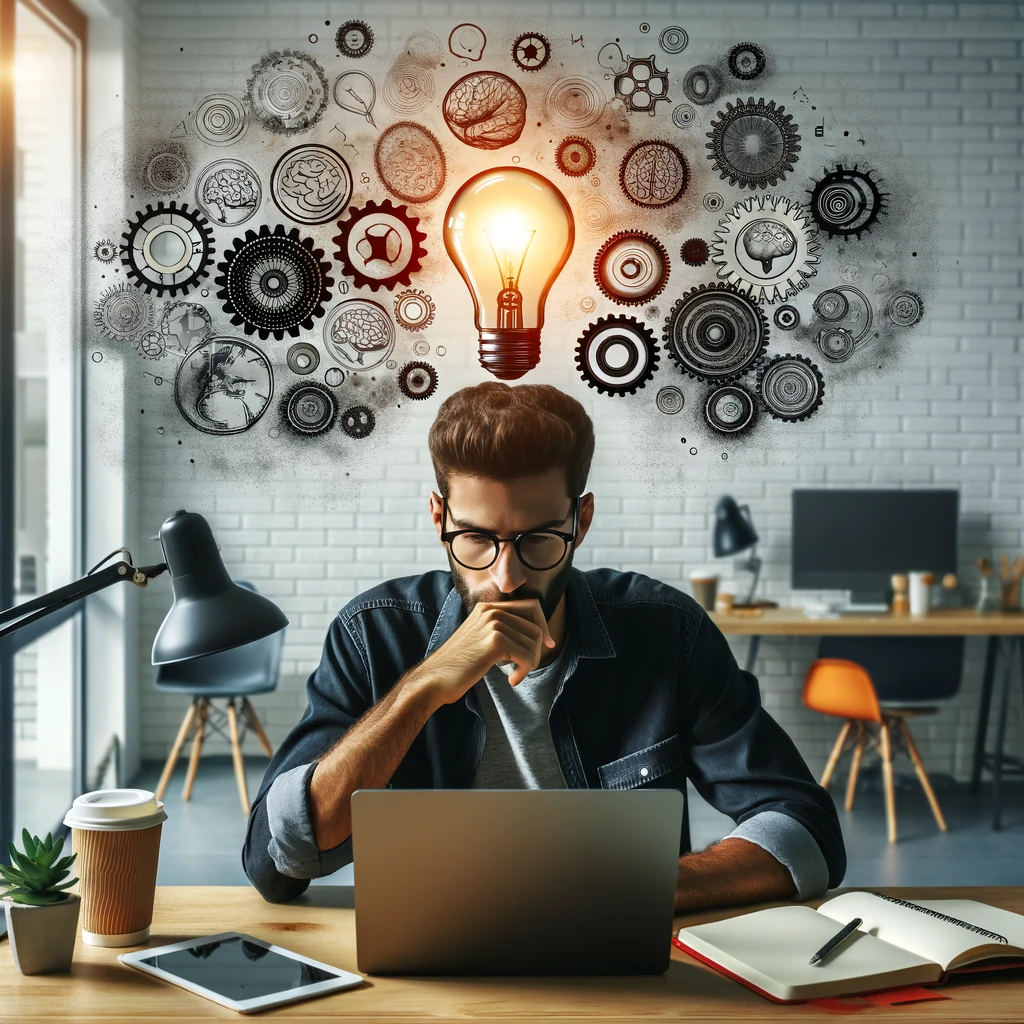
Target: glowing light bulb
[(509, 231)]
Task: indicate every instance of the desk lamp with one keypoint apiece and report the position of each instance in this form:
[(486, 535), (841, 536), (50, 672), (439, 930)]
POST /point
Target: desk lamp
[(734, 532)]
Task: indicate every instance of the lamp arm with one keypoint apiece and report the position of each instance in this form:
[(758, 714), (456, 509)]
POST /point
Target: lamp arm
[(45, 604), (754, 565)]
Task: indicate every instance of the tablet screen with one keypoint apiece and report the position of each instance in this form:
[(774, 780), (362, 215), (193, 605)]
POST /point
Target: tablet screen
[(238, 969)]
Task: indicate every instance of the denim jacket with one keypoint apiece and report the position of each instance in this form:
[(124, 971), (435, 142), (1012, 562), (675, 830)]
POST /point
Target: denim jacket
[(650, 696)]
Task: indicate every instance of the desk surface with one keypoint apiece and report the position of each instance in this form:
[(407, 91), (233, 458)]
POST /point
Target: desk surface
[(941, 622), (321, 924)]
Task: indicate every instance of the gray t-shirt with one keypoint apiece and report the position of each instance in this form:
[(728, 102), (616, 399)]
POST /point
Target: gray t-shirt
[(518, 750)]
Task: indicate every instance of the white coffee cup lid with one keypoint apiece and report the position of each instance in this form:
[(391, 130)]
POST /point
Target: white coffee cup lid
[(115, 810)]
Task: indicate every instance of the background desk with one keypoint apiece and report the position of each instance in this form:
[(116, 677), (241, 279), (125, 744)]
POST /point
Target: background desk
[(1005, 632), (321, 924)]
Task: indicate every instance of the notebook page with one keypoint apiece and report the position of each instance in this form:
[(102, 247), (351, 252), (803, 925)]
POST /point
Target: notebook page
[(984, 915), (934, 939), (771, 949)]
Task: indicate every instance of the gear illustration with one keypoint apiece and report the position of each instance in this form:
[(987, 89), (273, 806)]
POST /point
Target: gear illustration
[(694, 252), (831, 305), (904, 309), (631, 267), (767, 247), (653, 174), (670, 400), (846, 201), (753, 144), (702, 85), (673, 39), (414, 309), (531, 51), (417, 380), (122, 312), (617, 355), (287, 92), (846, 306), (730, 409), (184, 324), (787, 317), (575, 156), (716, 333), (309, 409), (836, 344), (421, 347), (684, 116), (791, 387), (354, 39), (642, 86), (151, 345), (274, 282), (380, 245), (746, 61), (302, 358), (167, 249), (105, 250), (713, 202), (358, 421)]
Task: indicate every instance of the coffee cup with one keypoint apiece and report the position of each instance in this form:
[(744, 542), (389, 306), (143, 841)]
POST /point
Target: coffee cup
[(704, 585), (920, 592), (116, 834)]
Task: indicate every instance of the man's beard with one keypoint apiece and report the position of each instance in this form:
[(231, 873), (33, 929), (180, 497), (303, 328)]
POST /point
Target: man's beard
[(548, 599)]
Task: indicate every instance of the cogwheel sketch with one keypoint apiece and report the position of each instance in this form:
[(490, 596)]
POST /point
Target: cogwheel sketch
[(791, 387), (309, 409), (702, 85), (670, 400), (847, 201), (787, 318), (753, 144), (715, 332), (311, 184), (302, 358), (746, 61), (287, 92), (684, 116), (531, 51), (184, 324), (673, 39), (414, 310), (836, 344), (358, 421), (220, 120), (653, 174), (575, 156), (274, 282), (847, 307), (730, 409), (379, 245), (617, 355), (122, 312), (574, 102), (228, 192), (767, 247), (694, 252), (359, 334), (417, 380), (150, 345), (410, 162), (354, 39), (167, 249), (904, 309), (486, 110), (105, 250), (167, 171), (631, 267), (642, 86)]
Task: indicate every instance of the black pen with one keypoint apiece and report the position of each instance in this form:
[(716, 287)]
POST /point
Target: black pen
[(841, 936)]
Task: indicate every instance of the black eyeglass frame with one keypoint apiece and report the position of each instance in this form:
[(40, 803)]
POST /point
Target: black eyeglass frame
[(447, 536)]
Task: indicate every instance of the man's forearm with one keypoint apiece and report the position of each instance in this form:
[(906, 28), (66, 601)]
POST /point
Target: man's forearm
[(366, 757), (730, 872)]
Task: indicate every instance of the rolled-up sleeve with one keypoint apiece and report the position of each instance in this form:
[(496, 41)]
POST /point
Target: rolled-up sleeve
[(744, 764)]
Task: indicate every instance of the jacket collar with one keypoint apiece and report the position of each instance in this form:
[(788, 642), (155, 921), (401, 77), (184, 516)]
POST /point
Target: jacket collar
[(583, 620)]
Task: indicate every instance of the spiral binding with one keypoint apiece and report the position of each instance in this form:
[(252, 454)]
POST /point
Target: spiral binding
[(943, 917)]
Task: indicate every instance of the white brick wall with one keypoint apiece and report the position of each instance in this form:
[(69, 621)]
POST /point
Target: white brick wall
[(934, 89)]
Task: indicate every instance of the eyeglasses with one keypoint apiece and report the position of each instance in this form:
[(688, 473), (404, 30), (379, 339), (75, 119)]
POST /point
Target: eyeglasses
[(537, 549)]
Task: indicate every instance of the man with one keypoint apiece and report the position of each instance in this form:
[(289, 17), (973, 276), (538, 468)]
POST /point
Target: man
[(516, 670)]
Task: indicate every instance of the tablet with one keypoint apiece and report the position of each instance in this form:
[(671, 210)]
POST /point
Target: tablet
[(240, 972)]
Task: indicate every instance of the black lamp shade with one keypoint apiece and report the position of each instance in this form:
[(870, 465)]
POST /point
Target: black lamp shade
[(734, 531), (210, 613)]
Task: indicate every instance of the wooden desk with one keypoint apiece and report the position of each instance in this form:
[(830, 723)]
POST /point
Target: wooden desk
[(1005, 631), (321, 924)]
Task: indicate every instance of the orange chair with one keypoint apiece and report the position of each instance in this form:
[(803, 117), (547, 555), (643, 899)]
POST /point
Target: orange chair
[(843, 688)]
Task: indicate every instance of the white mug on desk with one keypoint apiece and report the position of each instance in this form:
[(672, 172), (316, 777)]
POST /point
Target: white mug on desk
[(920, 592)]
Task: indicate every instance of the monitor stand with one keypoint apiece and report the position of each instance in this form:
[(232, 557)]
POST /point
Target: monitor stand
[(864, 602)]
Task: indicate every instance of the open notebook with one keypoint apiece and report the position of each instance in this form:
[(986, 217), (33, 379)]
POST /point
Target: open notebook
[(899, 943)]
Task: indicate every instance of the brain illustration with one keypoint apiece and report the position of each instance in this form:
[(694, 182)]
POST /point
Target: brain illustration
[(362, 329), (486, 110), (312, 180), (230, 188), (766, 240)]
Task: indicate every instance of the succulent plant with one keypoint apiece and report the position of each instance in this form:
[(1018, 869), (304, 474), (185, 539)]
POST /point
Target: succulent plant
[(34, 875)]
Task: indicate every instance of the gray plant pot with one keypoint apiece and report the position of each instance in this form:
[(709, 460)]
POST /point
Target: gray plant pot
[(43, 938)]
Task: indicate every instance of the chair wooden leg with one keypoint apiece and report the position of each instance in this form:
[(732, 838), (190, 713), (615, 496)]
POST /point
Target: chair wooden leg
[(833, 758), (890, 788), (250, 714), (236, 756), (172, 758), (858, 753), (197, 748), (922, 775)]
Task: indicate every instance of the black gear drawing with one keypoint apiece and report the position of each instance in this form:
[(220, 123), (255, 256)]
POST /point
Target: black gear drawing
[(746, 61), (791, 387), (354, 39), (302, 358), (105, 250), (358, 421), (831, 305), (847, 201), (606, 335), (753, 144), (716, 333), (904, 309), (702, 85), (274, 282), (653, 174), (642, 86), (190, 238), (694, 252), (417, 380), (373, 261), (836, 344), (730, 409), (531, 51), (787, 317), (575, 156), (123, 312), (308, 409), (631, 267)]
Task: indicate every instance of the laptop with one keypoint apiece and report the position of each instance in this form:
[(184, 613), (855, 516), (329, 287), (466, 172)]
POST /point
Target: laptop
[(539, 881)]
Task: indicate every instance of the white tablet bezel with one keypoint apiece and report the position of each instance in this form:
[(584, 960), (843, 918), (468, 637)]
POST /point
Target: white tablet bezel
[(343, 979)]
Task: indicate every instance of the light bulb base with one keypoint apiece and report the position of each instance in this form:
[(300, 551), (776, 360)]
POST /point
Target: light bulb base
[(509, 354)]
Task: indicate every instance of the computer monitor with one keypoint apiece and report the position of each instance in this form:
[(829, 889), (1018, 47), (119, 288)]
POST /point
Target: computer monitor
[(856, 539)]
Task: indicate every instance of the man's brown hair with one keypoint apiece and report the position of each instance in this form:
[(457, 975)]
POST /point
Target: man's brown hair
[(500, 432)]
